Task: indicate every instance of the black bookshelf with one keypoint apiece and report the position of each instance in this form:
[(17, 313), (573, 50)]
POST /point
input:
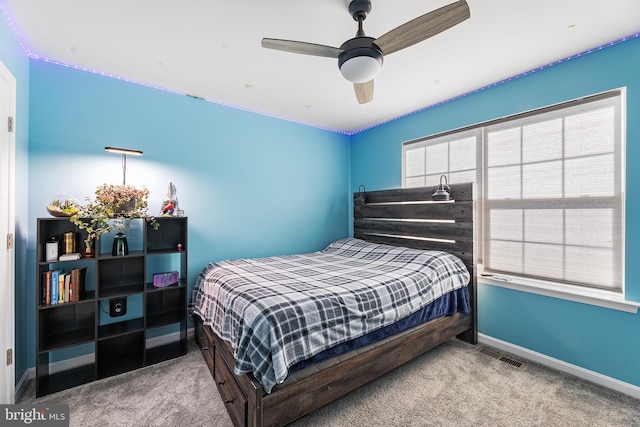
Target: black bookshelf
[(79, 341)]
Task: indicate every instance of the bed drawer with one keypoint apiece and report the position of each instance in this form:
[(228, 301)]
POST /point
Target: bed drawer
[(234, 400), (205, 342)]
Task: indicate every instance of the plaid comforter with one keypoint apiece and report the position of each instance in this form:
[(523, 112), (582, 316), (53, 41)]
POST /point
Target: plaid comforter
[(277, 311)]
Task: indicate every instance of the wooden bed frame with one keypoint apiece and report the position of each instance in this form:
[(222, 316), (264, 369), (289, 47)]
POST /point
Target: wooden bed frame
[(399, 217)]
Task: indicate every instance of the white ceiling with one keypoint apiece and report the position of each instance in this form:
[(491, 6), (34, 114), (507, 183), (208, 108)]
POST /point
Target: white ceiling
[(211, 48)]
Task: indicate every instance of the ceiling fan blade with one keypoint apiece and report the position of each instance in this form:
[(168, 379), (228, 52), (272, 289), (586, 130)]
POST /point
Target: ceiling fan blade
[(302, 47), (423, 27), (364, 91)]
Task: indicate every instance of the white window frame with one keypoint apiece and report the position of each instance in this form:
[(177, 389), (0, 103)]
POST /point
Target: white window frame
[(588, 295)]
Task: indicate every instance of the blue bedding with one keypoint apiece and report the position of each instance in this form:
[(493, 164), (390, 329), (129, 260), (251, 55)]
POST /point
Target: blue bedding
[(449, 304)]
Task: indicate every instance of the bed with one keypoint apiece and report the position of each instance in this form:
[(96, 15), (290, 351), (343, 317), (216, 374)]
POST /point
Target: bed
[(270, 373)]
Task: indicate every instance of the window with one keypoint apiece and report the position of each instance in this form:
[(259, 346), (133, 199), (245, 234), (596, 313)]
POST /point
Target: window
[(453, 154), (550, 187)]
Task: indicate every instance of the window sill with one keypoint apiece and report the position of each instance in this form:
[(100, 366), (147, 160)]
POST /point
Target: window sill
[(597, 297)]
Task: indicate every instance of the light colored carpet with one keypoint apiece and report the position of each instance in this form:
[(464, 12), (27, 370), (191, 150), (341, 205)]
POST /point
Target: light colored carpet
[(452, 385), (179, 392)]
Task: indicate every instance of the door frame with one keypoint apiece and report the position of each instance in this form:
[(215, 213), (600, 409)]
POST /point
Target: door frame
[(7, 228)]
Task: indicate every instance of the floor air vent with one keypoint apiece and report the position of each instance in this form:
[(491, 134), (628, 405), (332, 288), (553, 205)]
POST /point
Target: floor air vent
[(501, 358)]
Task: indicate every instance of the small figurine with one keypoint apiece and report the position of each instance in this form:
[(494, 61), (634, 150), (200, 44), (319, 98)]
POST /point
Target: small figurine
[(170, 205)]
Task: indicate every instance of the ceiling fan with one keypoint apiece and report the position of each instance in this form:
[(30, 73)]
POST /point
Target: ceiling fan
[(360, 58)]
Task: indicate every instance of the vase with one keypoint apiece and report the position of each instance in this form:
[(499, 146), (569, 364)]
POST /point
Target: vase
[(120, 246)]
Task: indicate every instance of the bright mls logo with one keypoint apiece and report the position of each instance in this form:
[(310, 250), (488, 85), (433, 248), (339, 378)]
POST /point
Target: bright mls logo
[(53, 415)]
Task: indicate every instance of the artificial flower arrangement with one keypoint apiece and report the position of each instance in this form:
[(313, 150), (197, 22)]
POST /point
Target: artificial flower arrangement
[(111, 208)]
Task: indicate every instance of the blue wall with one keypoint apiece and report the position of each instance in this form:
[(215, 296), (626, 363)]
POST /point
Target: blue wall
[(598, 339), (14, 58)]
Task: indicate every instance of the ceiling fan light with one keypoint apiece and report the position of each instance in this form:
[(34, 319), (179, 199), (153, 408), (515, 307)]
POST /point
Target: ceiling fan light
[(361, 69)]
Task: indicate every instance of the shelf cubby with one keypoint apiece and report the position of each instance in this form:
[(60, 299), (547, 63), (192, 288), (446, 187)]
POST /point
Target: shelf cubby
[(51, 380), (119, 276), (65, 325), (120, 354), (164, 308), (165, 352), (170, 233)]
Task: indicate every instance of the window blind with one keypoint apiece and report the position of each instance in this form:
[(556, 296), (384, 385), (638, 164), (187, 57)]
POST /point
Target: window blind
[(553, 195), (454, 155)]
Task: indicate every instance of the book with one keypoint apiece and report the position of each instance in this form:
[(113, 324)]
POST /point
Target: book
[(77, 284), (48, 278), (46, 288), (53, 284), (67, 283), (61, 287), (69, 257)]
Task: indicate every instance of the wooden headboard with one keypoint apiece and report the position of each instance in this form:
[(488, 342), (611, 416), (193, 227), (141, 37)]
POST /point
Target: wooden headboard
[(409, 217)]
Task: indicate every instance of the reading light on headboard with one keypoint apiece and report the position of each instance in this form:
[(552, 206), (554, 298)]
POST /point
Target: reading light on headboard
[(361, 197), (124, 152), (442, 191)]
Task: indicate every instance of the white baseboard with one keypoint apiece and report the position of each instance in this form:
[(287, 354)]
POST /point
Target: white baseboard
[(88, 359), (594, 377)]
